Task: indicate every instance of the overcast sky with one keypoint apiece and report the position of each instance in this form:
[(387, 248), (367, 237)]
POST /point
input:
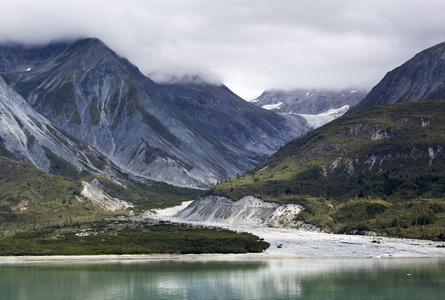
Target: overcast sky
[(250, 45)]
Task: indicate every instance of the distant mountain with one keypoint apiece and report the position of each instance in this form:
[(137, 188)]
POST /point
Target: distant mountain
[(380, 169), (181, 134), (231, 118), (310, 102), (420, 78)]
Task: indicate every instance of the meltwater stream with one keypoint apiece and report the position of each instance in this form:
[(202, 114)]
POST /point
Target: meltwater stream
[(317, 278)]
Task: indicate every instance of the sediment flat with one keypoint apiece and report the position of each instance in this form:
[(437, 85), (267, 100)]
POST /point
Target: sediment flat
[(285, 243)]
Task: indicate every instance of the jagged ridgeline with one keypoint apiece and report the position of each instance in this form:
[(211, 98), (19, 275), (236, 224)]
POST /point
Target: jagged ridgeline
[(379, 169), (188, 135), (309, 101)]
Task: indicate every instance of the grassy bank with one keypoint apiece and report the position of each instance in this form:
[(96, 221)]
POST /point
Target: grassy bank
[(129, 237)]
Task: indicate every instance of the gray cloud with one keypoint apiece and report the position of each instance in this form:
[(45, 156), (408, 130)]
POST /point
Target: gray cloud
[(250, 45)]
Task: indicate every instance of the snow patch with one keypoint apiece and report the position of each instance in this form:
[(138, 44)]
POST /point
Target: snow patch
[(272, 106), (335, 111), (315, 121)]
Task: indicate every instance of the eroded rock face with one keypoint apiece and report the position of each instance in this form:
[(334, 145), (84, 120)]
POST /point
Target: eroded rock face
[(249, 210), (33, 138), (95, 194), (187, 134)]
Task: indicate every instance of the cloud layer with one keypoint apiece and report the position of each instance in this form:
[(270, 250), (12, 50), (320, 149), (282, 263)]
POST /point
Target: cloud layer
[(250, 45)]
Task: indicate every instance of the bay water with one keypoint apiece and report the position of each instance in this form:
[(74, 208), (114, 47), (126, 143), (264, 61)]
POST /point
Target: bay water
[(313, 278)]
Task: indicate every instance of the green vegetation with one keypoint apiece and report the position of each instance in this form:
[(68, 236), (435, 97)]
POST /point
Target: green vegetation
[(45, 214), (380, 169), (31, 199), (59, 166), (75, 118), (129, 237), (94, 112), (147, 196), (57, 101)]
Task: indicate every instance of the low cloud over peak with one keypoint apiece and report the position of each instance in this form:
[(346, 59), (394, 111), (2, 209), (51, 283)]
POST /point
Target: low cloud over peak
[(249, 45)]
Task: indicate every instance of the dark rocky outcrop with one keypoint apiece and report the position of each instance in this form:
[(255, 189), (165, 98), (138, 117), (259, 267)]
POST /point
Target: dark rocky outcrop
[(420, 78)]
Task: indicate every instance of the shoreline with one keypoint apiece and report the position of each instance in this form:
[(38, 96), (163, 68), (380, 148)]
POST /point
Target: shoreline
[(147, 257), (291, 242), (185, 257), (285, 243)]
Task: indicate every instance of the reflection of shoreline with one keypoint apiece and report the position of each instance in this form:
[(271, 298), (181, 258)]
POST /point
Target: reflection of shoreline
[(313, 278), (301, 259), (148, 257)]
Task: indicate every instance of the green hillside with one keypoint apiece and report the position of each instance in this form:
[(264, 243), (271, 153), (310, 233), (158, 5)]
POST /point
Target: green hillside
[(33, 199), (381, 169), (30, 198), (45, 214)]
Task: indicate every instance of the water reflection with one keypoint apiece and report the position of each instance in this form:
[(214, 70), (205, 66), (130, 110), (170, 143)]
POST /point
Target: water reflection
[(268, 279)]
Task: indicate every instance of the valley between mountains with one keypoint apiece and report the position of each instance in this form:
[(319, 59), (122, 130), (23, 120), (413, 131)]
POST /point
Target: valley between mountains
[(95, 158)]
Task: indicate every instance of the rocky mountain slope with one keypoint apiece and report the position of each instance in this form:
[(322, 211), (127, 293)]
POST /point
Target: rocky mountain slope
[(29, 136), (380, 169), (311, 102), (186, 135), (231, 118), (420, 78)]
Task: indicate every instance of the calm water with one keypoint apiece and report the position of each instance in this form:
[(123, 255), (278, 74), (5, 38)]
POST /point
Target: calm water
[(270, 279)]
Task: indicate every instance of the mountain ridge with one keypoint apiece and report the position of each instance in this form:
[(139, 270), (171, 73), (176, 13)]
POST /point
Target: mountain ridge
[(420, 78), (86, 89), (309, 101), (380, 169)]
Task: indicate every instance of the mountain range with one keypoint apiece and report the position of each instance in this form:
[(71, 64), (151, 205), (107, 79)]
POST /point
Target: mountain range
[(309, 101), (189, 134), (378, 169), (79, 110)]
